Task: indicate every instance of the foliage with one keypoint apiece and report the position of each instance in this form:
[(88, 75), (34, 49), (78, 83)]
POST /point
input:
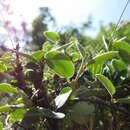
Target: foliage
[(44, 21), (54, 91)]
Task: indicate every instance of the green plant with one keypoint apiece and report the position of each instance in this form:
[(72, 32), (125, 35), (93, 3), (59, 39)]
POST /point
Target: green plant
[(55, 89)]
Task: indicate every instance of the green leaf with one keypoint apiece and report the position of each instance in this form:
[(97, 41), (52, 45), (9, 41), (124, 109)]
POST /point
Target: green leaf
[(107, 84), (7, 88), (60, 64), (47, 46), (5, 108), (52, 36), (10, 107), (123, 100), (95, 68), (121, 46), (38, 55), (119, 65), (125, 56), (19, 101), (40, 112), (3, 67), (47, 75), (65, 90), (63, 97), (1, 126), (17, 115), (75, 56), (124, 50), (100, 59), (6, 57)]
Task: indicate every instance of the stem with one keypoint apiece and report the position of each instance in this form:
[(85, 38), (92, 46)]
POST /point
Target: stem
[(64, 46), (19, 75), (81, 70)]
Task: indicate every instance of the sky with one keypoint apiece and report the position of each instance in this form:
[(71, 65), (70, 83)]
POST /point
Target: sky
[(72, 11)]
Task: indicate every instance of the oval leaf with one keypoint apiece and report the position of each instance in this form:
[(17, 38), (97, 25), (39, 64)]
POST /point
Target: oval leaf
[(63, 97), (65, 90), (119, 65), (47, 46), (95, 68), (52, 36), (5, 108), (60, 64), (124, 50), (38, 55), (7, 88), (107, 84), (19, 101), (75, 56), (1, 126), (121, 46), (103, 57)]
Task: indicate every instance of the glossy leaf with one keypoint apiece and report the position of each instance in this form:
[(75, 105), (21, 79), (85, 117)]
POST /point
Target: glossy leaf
[(7, 88), (47, 46), (19, 101), (107, 84), (103, 57), (121, 46), (1, 126), (75, 56), (60, 64), (52, 36), (38, 55), (47, 75), (124, 50), (119, 65), (5, 108), (95, 68), (63, 97), (65, 90)]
